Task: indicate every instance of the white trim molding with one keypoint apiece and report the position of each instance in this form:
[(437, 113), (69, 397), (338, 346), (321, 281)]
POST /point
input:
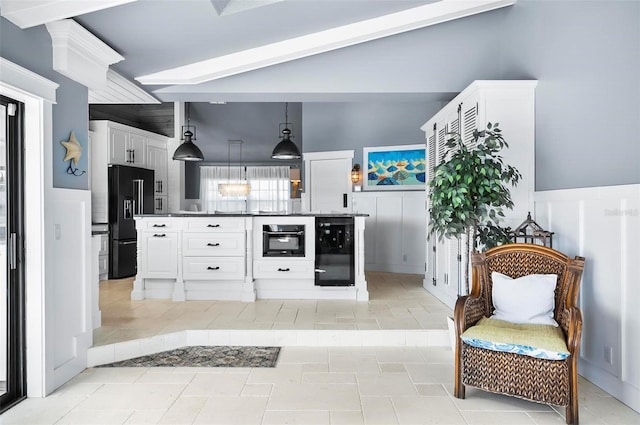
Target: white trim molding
[(602, 224), (120, 90), (322, 41), (19, 78), (38, 95), (80, 55), (27, 14)]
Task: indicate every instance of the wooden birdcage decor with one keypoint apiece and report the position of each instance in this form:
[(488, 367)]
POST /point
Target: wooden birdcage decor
[(531, 232)]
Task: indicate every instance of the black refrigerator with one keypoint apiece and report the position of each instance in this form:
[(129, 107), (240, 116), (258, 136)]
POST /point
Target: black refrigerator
[(130, 194)]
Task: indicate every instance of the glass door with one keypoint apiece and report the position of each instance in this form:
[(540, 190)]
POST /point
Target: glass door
[(12, 346)]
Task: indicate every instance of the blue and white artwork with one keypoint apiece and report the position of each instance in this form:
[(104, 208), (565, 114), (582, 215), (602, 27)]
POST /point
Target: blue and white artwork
[(395, 167)]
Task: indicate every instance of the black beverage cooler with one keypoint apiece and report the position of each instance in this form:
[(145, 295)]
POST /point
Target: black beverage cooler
[(334, 251)]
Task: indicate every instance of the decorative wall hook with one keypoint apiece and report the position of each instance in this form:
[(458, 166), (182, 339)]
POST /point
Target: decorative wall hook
[(74, 152)]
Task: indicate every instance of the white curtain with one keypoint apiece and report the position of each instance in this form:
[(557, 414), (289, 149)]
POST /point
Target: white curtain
[(212, 200), (270, 189)]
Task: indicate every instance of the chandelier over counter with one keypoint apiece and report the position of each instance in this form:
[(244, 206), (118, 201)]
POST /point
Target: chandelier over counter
[(241, 188)]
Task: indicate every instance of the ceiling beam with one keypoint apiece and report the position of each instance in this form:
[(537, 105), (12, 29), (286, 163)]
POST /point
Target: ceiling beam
[(322, 41), (30, 13)]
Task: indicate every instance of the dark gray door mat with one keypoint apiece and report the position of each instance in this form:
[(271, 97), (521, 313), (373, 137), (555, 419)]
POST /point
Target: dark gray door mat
[(219, 356)]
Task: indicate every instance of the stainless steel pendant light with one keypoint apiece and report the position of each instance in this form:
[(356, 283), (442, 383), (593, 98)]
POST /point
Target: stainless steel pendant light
[(188, 151), (286, 149)]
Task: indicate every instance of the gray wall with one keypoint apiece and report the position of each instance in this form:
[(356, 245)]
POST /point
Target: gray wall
[(340, 126), (31, 49), (586, 56)]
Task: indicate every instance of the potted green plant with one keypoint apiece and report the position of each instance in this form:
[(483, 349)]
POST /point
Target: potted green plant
[(470, 190)]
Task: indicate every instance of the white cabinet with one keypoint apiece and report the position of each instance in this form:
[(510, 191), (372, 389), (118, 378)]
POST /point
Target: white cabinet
[(115, 143), (214, 249), (510, 103), (194, 257), (213, 268), (395, 236), (127, 148), (283, 269), (159, 254), (157, 161), (103, 257), (187, 258)]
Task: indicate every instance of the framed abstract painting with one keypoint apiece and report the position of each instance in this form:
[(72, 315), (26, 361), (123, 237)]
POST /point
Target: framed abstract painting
[(395, 167)]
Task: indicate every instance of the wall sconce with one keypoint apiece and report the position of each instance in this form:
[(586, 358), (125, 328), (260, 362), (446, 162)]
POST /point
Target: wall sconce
[(355, 174), (294, 176)]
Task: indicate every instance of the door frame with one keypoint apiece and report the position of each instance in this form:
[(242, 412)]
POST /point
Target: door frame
[(38, 95), (15, 280)]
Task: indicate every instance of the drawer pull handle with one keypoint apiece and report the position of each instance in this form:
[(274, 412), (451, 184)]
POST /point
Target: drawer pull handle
[(213, 268), (284, 270), (159, 225), (159, 235), (213, 225), (213, 244)]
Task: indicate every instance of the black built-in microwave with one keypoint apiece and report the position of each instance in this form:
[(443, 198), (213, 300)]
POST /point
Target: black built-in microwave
[(283, 240)]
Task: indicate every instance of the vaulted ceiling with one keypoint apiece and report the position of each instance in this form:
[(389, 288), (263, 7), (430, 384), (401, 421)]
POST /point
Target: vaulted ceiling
[(254, 50)]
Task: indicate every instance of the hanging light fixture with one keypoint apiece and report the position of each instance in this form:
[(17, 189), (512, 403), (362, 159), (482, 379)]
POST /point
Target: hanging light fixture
[(286, 149), (241, 188), (355, 174), (188, 151)]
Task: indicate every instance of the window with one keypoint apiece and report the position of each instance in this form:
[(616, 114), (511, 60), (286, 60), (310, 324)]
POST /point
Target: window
[(270, 189)]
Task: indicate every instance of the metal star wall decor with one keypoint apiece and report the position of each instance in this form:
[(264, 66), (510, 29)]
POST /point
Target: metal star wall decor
[(74, 152)]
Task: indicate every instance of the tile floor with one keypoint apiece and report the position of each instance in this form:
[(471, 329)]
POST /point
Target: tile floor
[(310, 385), (397, 301)]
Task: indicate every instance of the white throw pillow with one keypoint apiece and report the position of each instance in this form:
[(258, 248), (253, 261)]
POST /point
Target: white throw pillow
[(528, 299)]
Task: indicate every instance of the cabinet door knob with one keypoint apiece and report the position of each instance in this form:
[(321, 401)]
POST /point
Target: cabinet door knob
[(213, 225), (213, 268), (284, 270), (159, 225), (159, 235), (213, 244)]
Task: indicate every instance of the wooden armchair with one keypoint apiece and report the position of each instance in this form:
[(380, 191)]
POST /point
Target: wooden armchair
[(535, 379)]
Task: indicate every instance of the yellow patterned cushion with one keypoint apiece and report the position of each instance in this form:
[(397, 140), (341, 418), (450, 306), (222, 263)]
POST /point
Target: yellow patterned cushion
[(540, 341)]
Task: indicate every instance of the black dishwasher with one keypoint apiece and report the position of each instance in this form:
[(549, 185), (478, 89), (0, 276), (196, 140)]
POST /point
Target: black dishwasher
[(334, 251)]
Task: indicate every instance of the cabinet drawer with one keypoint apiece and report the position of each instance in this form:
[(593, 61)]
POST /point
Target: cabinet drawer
[(216, 244), (283, 269), (214, 224), (161, 224), (213, 268)]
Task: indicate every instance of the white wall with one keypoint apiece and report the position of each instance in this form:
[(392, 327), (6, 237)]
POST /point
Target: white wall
[(602, 224), (395, 230)]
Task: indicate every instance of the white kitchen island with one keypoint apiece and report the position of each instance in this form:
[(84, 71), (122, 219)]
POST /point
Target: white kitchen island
[(220, 257)]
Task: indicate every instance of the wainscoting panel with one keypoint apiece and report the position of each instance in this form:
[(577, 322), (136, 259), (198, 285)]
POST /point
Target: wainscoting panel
[(602, 224), (395, 230), (69, 332)]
